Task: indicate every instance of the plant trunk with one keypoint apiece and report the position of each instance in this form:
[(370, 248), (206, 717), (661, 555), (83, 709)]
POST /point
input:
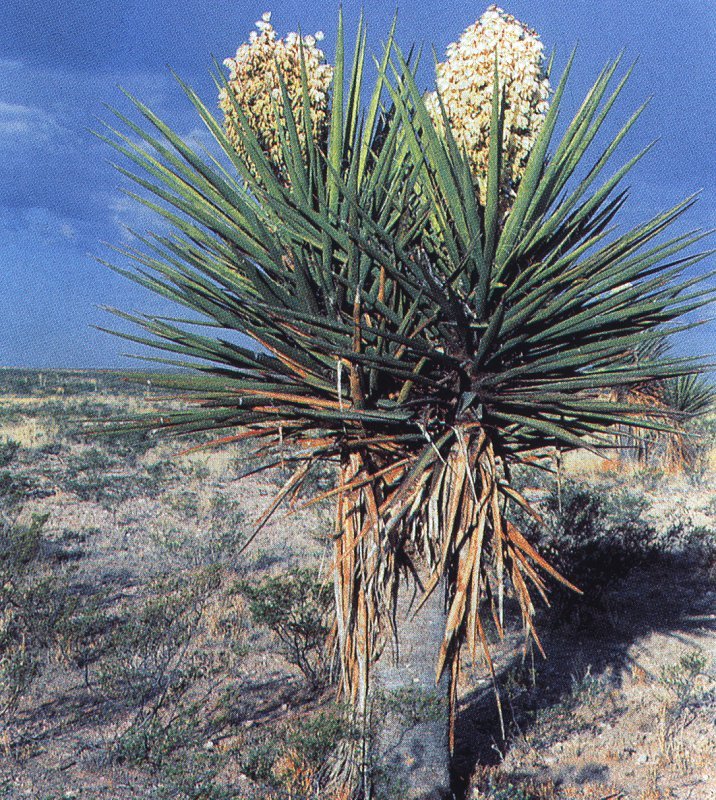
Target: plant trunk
[(410, 711)]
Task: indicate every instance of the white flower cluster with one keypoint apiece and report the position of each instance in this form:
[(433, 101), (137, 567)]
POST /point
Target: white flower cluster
[(465, 83), (254, 87)]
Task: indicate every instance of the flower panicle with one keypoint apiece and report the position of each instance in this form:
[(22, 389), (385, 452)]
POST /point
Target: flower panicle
[(254, 86), (465, 83)]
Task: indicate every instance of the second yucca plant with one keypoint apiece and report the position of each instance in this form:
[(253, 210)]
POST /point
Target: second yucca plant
[(424, 318)]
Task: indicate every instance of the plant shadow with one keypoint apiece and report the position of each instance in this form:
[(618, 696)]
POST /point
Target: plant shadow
[(593, 635)]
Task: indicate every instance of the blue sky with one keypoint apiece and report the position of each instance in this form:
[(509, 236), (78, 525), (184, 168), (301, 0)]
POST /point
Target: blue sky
[(60, 63)]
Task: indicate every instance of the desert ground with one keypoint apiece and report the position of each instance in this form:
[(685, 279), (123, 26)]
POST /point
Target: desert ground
[(145, 654)]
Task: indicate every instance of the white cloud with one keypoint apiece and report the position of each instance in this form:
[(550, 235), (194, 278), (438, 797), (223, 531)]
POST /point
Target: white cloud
[(37, 224), (67, 231), (27, 124), (129, 215)]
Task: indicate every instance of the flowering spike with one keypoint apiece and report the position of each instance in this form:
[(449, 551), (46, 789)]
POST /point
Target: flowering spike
[(465, 82), (254, 85)]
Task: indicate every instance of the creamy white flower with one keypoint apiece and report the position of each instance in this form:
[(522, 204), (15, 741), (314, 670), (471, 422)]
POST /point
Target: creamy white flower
[(465, 83), (254, 87)]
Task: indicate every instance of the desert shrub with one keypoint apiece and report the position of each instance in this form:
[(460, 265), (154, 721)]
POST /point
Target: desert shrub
[(99, 475), (161, 671), (130, 446), (214, 537), (194, 775), (70, 414), (17, 382), (108, 490), (295, 606), (507, 791), (50, 449), (186, 503), (19, 547), (413, 705), (682, 677), (163, 471), (8, 449), (34, 607), (257, 758), (294, 759), (693, 691), (701, 440), (593, 535), (150, 649), (697, 543), (18, 664), (12, 414), (82, 637), (317, 736), (224, 530), (94, 459), (18, 667), (15, 487)]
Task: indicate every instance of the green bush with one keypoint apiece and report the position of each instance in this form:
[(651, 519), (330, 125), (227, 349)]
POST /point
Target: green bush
[(215, 536), (593, 535), (295, 606), (151, 657), (14, 488), (19, 547), (308, 745), (8, 450), (34, 606), (681, 677)]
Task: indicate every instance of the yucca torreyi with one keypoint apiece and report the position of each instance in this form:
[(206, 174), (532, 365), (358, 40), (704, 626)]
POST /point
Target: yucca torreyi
[(421, 339), (678, 401)]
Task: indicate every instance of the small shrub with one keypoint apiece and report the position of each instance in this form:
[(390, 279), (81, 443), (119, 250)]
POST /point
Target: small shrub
[(14, 488), (130, 446), (33, 607), (193, 775), (162, 672), (111, 489), (415, 705), (19, 547), (216, 534), (50, 449), (316, 737), (490, 783), (692, 689), (681, 677), (91, 460), (8, 450), (18, 665), (258, 757), (82, 637), (594, 537), (150, 657), (295, 759), (162, 471), (295, 607), (186, 504)]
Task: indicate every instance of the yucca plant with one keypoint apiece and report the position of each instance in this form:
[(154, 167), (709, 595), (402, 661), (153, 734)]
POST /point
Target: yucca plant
[(679, 402), (687, 399), (422, 338), (692, 398)]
